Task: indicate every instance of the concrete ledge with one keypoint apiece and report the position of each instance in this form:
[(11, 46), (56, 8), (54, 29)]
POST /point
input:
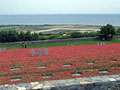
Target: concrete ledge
[(107, 82)]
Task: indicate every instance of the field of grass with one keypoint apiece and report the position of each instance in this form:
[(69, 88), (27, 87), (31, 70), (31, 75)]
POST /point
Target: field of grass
[(62, 44)]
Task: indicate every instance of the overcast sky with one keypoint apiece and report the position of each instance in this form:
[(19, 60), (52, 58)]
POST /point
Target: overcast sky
[(59, 6)]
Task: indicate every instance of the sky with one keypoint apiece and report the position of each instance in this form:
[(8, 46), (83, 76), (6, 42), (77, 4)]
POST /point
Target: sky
[(59, 6)]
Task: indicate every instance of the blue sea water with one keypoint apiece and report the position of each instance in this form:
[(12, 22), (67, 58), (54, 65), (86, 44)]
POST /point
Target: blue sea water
[(82, 19)]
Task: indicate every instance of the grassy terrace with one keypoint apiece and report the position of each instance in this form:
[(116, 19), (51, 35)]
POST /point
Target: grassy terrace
[(62, 44)]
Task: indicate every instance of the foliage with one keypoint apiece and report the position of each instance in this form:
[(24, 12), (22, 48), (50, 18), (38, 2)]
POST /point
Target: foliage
[(107, 32), (75, 35), (118, 31), (14, 36)]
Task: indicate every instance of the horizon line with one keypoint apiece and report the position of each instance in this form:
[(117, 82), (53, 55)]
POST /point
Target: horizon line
[(69, 14)]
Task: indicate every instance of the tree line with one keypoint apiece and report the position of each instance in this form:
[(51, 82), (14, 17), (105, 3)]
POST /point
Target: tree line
[(106, 33), (14, 36)]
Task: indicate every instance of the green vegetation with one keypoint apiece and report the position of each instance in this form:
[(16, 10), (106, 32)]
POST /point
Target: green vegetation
[(62, 44), (118, 31), (107, 32), (10, 35), (14, 36)]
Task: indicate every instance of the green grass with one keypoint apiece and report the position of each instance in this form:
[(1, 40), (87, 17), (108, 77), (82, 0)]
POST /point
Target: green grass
[(62, 44)]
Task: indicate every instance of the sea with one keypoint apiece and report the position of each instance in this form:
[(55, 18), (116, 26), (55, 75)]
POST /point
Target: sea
[(50, 19)]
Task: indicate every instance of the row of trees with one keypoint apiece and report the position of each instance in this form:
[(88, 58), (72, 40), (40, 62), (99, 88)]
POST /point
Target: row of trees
[(106, 33), (14, 36)]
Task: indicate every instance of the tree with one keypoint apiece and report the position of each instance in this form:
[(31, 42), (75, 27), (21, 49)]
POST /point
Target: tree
[(75, 35), (107, 32), (34, 36), (12, 36), (118, 31), (28, 36), (21, 36), (8, 36)]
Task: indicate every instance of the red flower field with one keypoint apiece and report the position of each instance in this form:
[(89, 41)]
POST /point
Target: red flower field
[(18, 66)]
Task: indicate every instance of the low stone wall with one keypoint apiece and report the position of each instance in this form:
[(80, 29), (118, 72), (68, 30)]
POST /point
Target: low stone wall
[(116, 36), (108, 82), (50, 41), (55, 41)]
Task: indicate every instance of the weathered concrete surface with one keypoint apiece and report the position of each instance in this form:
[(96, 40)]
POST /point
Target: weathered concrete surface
[(109, 82)]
